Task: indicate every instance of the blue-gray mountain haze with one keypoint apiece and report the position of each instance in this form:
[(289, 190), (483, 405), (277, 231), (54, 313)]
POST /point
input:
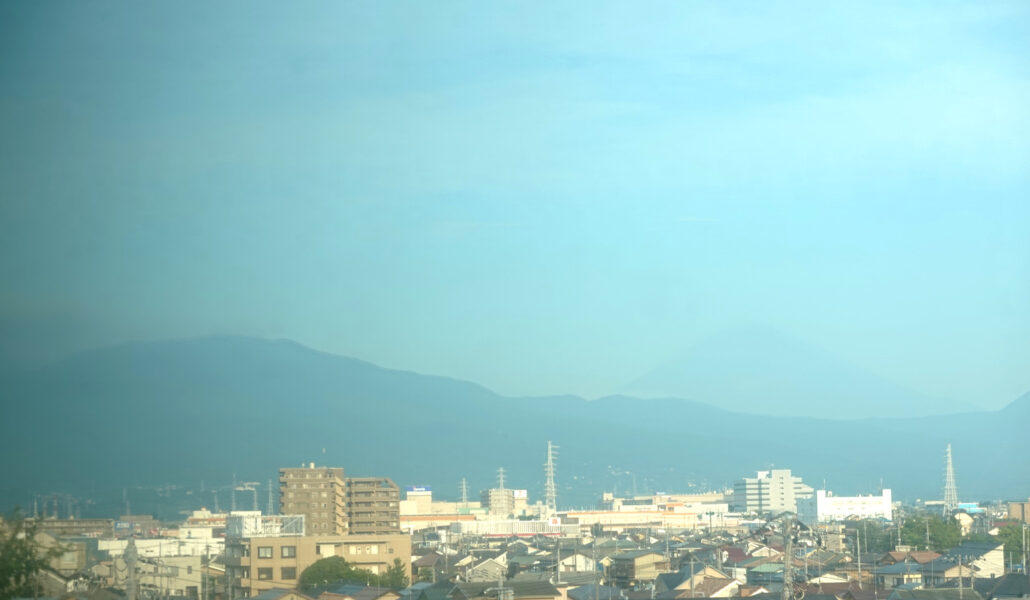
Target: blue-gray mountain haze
[(202, 409)]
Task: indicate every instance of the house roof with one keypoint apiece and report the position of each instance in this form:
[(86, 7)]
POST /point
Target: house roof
[(901, 568), (521, 589), (935, 594), (438, 591), (706, 588), (632, 554), (595, 592), (943, 564), (968, 550), (768, 568), (374, 593), (735, 554), (276, 593), (427, 560), (669, 580), (1011, 585)]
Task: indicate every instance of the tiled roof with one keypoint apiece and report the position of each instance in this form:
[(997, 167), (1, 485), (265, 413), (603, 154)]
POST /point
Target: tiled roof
[(521, 589), (935, 594)]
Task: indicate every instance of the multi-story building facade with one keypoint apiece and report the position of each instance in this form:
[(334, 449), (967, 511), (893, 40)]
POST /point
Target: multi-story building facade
[(769, 492), (373, 505), (824, 507), (333, 504), (264, 552), (260, 563)]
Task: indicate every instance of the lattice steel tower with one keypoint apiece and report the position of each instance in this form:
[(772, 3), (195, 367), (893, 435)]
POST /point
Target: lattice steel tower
[(950, 491), (550, 489)]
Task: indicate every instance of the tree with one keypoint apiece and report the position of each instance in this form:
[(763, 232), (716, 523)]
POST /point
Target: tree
[(336, 570), (327, 571), (943, 535), (1012, 537), (396, 577), (21, 555)]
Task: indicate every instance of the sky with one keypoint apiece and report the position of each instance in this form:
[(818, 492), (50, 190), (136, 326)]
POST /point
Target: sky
[(539, 197)]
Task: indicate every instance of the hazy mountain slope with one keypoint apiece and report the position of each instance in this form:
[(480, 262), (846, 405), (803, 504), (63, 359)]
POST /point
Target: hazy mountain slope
[(185, 411), (761, 371)]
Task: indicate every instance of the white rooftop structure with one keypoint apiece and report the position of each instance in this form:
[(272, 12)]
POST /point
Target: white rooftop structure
[(251, 523)]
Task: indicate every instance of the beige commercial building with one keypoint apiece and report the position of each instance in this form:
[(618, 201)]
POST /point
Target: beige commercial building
[(261, 563), (1020, 511), (333, 504)]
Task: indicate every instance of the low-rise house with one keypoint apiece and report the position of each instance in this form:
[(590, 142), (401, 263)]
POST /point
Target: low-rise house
[(986, 558), (891, 576), (628, 569), (488, 569), (765, 574)]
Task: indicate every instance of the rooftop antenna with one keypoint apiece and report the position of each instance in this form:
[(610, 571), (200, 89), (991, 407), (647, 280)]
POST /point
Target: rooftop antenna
[(550, 490), (950, 491)]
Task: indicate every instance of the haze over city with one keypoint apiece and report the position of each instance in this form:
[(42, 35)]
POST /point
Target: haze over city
[(464, 300), (547, 201)]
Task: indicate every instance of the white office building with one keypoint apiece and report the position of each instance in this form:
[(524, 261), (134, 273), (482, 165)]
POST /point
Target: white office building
[(824, 507), (772, 491)]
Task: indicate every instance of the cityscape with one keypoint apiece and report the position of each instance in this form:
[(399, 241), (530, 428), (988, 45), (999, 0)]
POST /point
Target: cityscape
[(770, 535), (514, 300)]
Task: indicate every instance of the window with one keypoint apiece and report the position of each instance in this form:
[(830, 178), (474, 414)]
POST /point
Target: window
[(264, 573), (264, 552), (289, 551), (289, 573)]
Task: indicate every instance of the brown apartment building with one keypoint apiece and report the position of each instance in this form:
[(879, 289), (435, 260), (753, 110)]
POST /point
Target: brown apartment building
[(259, 563), (333, 504)]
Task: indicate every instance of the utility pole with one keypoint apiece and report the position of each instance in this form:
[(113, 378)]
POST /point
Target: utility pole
[(960, 586), (557, 557), (1027, 575), (130, 567), (788, 559), (858, 549)]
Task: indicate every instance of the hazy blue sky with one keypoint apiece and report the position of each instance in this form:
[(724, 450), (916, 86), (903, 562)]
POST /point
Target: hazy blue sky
[(543, 198)]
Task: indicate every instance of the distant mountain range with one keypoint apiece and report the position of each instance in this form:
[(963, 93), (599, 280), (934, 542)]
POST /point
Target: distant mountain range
[(761, 371), (202, 409)]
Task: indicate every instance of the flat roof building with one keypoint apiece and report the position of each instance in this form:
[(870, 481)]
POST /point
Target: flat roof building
[(772, 491), (333, 504)]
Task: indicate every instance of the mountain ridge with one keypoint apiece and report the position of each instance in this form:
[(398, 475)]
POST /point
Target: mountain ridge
[(204, 408), (763, 371)]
